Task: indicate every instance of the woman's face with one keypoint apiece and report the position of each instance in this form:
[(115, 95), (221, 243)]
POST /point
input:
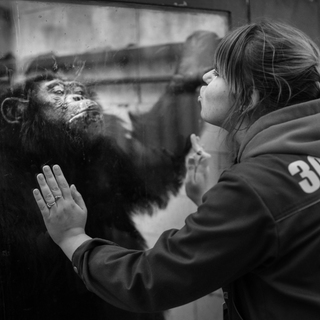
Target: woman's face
[(215, 99)]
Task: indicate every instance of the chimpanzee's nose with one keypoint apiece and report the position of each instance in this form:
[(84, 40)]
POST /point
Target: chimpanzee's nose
[(77, 97)]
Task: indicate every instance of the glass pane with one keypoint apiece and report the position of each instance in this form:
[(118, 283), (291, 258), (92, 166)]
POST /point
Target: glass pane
[(118, 38), (143, 67)]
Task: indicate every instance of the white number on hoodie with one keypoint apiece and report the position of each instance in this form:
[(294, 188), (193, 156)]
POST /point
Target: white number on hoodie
[(310, 181)]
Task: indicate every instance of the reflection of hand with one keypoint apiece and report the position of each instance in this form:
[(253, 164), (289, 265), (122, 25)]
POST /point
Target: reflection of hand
[(63, 209), (197, 180)]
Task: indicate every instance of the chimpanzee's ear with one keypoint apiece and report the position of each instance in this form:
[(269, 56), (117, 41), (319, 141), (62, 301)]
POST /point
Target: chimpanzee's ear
[(12, 109)]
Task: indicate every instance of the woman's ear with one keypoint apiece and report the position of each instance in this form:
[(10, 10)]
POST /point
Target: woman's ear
[(252, 103), (254, 98)]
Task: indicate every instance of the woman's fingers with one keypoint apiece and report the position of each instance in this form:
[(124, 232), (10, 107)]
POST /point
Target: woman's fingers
[(198, 148), (195, 142), (191, 169), (41, 203), (200, 156), (53, 186), (62, 182), (52, 183), (47, 195), (77, 197)]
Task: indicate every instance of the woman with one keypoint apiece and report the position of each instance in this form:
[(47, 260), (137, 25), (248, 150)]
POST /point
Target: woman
[(257, 231)]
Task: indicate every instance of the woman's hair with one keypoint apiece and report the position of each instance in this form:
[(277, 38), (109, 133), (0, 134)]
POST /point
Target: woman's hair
[(278, 61)]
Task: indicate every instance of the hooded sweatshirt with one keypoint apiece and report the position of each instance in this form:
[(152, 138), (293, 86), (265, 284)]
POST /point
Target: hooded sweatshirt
[(256, 234)]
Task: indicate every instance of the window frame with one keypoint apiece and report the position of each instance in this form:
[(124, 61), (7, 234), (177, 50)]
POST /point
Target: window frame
[(237, 10)]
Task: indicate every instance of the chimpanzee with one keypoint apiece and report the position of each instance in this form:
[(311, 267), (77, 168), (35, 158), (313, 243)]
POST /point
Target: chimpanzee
[(48, 120)]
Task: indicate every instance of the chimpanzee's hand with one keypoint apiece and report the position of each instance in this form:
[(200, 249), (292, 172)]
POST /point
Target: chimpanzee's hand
[(63, 209), (197, 180)]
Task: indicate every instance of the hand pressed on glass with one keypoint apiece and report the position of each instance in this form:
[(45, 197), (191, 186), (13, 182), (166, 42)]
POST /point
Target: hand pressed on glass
[(63, 209)]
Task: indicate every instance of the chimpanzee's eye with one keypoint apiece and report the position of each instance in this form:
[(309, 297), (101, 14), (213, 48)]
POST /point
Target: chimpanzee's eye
[(58, 90), (79, 91)]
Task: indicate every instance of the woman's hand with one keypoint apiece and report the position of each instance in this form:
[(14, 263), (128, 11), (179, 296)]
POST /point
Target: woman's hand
[(63, 209), (197, 180)]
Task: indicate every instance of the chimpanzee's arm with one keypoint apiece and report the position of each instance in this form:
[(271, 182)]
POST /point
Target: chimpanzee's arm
[(160, 138)]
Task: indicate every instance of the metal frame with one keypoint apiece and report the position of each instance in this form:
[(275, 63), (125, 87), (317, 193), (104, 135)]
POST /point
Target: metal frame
[(238, 10)]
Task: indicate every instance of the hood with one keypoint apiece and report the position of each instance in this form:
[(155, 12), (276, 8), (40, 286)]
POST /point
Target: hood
[(291, 130)]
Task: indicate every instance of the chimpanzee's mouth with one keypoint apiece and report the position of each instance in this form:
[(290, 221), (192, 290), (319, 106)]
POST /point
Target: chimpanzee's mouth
[(88, 115)]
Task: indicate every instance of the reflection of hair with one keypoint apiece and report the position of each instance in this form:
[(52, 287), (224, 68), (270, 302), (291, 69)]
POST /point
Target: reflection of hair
[(280, 62)]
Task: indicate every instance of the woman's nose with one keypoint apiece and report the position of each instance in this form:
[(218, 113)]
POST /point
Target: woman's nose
[(207, 77)]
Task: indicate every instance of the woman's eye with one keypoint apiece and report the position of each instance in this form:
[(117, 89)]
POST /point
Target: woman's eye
[(215, 73)]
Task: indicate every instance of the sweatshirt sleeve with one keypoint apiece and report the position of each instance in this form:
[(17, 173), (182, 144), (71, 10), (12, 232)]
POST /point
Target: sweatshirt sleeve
[(231, 234)]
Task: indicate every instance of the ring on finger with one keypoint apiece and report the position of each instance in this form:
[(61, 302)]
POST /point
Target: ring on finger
[(49, 205)]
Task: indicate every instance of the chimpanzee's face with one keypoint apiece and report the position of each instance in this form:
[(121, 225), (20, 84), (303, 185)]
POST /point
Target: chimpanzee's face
[(69, 101)]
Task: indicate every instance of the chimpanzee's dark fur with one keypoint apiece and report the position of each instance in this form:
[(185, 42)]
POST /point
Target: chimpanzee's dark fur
[(36, 279)]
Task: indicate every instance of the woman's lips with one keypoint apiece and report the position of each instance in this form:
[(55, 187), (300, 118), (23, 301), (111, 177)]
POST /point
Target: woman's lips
[(201, 93)]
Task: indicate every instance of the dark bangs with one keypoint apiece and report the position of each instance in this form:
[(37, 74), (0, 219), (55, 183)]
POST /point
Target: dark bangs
[(230, 58)]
